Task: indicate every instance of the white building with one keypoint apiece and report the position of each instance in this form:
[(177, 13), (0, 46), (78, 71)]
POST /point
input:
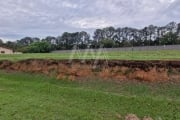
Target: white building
[(5, 51)]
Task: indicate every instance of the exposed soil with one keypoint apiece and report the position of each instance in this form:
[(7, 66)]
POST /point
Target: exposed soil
[(131, 117), (111, 69)]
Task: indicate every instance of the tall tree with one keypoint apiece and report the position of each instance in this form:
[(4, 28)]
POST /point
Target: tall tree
[(169, 39), (1, 42)]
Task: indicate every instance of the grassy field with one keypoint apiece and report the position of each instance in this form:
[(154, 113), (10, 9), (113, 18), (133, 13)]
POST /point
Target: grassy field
[(29, 96), (128, 55)]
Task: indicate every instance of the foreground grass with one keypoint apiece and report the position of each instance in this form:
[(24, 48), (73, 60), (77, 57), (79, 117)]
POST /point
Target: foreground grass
[(123, 55), (37, 97)]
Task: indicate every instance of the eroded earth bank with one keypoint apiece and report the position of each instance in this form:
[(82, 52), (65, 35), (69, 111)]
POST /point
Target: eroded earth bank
[(101, 69)]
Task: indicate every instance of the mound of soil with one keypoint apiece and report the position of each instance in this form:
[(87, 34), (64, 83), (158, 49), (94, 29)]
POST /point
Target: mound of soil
[(111, 69)]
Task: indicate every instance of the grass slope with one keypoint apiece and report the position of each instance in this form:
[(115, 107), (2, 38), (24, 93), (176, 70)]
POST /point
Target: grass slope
[(128, 55), (29, 96)]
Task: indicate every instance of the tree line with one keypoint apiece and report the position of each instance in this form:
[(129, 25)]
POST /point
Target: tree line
[(108, 37)]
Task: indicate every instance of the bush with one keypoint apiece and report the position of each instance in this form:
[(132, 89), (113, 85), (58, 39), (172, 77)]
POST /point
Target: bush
[(38, 47)]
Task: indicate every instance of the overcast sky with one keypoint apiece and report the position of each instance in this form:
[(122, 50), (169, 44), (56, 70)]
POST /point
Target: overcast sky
[(40, 18)]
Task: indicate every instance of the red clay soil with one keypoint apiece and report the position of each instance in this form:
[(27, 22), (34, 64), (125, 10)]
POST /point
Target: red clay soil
[(111, 69)]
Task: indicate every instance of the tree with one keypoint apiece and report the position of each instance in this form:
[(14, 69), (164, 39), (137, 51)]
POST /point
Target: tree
[(80, 39), (25, 41), (98, 35), (38, 47), (125, 43), (1, 42), (105, 33), (68, 40), (52, 41), (107, 43), (83, 40), (178, 40), (10, 44), (169, 39)]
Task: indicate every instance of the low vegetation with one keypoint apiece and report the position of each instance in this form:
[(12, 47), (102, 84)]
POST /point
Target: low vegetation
[(124, 55), (27, 96)]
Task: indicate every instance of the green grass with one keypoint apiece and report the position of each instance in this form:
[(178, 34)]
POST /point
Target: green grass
[(128, 55), (37, 97)]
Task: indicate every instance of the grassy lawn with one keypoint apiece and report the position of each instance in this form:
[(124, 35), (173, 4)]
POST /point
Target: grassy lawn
[(37, 97), (124, 55)]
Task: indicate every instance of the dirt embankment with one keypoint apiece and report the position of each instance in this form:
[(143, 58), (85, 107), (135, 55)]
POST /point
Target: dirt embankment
[(112, 69)]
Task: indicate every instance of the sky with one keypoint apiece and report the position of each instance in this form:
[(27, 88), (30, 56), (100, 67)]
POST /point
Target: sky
[(41, 18)]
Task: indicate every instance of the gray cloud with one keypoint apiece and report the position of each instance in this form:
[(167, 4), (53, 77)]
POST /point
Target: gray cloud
[(20, 18)]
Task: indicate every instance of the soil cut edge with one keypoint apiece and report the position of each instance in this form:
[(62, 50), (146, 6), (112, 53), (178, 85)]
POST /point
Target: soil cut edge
[(152, 70)]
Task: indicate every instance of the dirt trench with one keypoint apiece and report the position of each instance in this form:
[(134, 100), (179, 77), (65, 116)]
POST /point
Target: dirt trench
[(103, 69)]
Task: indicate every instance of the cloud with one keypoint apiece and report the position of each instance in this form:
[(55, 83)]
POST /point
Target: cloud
[(90, 23), (20, 18), (166, 1), (69, 5)]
